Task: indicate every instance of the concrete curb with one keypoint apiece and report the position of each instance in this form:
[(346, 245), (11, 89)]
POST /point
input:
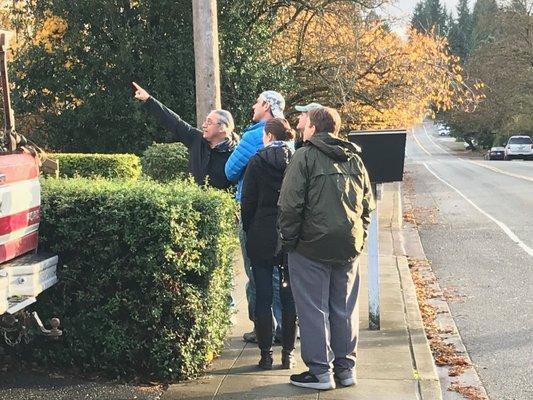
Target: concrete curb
[(424, 365)]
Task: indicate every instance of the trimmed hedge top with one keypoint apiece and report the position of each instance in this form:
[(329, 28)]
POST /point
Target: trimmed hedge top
[(113, 166), (144, 275), (165, 162)]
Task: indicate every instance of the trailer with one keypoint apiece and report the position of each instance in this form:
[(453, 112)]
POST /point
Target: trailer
[(24, 271)]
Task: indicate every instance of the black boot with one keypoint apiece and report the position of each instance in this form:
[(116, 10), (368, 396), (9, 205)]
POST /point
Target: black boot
[(263, 330), (289, 341)]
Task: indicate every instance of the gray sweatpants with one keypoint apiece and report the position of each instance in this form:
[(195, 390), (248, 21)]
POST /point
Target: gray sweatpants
[(327, 308)]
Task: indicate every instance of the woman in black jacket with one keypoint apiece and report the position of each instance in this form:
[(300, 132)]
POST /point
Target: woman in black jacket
[(259, 212)]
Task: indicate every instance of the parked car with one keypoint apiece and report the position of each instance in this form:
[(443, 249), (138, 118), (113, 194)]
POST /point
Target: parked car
[(519, 147), (495, 153)]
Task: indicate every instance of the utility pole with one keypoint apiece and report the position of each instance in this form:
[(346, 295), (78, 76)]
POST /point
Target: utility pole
[(10, 137), (206, 63)]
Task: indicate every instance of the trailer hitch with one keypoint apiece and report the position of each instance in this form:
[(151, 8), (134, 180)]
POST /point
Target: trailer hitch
[(53, 333), (16, 328)]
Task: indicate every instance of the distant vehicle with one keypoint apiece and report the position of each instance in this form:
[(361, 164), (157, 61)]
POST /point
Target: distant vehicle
[(519, 147), (495, 153), (443, 130)]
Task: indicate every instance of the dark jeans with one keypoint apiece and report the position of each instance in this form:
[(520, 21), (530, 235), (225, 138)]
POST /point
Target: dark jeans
[(264, 289), (250, 285)]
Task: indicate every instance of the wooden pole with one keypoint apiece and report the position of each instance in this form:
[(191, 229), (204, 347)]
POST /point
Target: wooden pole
[(206, 57), (9, 123)]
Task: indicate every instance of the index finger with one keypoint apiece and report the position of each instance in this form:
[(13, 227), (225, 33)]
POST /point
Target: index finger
[(137, 87)]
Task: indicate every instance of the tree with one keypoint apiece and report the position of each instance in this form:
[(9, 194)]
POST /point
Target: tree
[(483, 22), (72, 83), (505, 65), (247, 67), (430, 16), (372, 75), (460, 34), (73, 78), (247, 29)]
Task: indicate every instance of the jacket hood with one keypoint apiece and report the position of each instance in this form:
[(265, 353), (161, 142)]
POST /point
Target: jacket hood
[(229, 144), (335, 148), (277, 157)]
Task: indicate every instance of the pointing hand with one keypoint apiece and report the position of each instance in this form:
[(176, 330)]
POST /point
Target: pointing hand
[(140, 93)]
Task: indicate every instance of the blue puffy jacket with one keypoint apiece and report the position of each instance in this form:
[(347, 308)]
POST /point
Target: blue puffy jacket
[(251, 142)]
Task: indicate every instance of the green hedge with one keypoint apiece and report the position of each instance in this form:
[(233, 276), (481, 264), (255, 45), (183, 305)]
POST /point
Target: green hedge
[(121, 166), (144, 276), (165, 161)]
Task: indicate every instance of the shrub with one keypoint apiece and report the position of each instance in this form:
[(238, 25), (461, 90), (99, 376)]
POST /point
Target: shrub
[(500, 139), (122, 166), (165, 161), (144, 276)]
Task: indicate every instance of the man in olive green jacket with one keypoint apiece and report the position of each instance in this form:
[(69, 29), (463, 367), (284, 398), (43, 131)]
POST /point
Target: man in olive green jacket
[(325, 205)]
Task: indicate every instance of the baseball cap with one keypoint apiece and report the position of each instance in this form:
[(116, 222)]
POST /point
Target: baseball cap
[(276, 102), (308, 107)]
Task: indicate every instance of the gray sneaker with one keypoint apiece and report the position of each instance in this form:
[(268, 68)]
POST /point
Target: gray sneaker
[(346, 378), (250, 337)]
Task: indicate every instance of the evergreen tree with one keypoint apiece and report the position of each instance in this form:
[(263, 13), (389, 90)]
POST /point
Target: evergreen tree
[(430, 15), (519, 6), (460, 35), (419, 18)]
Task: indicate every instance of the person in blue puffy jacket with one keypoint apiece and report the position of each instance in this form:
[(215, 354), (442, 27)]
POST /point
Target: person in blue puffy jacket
[(269, 104)]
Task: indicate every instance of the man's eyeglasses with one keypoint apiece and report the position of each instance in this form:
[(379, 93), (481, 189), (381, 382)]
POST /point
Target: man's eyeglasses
[(208, 122)]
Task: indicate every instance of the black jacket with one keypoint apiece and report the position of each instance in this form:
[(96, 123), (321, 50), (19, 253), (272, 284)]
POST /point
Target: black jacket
[(259, 202), (204, 161)]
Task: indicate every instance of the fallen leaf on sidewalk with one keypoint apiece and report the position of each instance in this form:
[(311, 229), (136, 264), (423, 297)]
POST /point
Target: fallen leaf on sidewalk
[(445, 354), (469, 392), (446, 331), (457, 370)]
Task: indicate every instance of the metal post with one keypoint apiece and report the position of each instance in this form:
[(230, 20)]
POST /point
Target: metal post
[(373, 263), (206, 57)]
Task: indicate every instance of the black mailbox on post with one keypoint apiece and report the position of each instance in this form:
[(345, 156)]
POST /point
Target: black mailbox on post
[(383, 152)]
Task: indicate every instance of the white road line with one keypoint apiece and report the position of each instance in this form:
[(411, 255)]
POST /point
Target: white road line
[(502, 226), (494, 169), (420, 144), (432, 141), (501, 171)]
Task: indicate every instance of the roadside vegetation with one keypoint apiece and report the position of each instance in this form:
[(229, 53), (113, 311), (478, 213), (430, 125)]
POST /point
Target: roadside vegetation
[(493, 41), (72, 72)]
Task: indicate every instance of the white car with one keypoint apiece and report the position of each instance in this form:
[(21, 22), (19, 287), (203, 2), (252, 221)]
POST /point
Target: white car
[(443, 130), (519, 147)]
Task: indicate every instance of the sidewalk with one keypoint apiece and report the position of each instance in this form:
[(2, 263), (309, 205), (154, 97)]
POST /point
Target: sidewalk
[(394, 363)]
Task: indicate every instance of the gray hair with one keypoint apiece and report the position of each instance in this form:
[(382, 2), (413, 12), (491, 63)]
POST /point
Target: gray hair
[(225, 119)]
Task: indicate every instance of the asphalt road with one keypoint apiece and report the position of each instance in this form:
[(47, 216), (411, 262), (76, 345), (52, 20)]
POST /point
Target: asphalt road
[(36, 386), (477, 229)]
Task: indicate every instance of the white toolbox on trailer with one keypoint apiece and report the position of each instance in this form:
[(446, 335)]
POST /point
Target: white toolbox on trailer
[(30, 274)]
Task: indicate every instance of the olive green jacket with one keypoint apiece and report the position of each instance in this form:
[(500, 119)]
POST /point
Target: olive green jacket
[(325, 201)]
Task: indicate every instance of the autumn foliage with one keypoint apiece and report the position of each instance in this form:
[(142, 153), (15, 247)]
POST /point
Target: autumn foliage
[(72, 70), (377, 78)]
